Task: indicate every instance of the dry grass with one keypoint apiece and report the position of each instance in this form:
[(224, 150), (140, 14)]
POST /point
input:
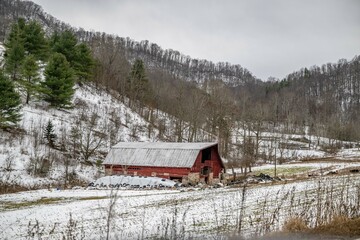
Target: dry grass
[(339, 226), (6, 188), (295, 224)]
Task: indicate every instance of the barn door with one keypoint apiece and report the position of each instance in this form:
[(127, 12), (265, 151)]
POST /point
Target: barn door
[(205, 171)]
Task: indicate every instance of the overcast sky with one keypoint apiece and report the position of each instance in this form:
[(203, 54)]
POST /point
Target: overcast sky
[(268, 37)]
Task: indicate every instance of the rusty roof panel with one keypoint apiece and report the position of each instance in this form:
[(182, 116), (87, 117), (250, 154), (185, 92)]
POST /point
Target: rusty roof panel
[(155, 154), (165, 145)]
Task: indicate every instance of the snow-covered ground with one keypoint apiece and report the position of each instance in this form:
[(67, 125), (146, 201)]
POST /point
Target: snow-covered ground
[(51, 214), (17, 151), (336, 165), (296, 146), (344, 159)]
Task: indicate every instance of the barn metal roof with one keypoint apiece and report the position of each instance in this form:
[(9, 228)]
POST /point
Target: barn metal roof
[(155, 154)]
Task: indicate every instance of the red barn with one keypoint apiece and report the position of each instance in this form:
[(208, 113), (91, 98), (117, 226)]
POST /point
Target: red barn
[(188, 162)]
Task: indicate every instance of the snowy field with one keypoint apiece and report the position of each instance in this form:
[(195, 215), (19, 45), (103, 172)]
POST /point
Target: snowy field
[(346, 159), (143, 214), (309, 166)]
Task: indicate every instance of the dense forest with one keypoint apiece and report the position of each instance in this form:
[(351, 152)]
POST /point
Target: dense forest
[(200, 95)]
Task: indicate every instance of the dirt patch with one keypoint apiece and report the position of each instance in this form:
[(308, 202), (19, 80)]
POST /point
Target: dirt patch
[(285, 171), (8, 206), (93, 198), (329, 159), (41, 201)]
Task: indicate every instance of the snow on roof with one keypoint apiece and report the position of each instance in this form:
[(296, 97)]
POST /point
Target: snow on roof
[(154, 154)]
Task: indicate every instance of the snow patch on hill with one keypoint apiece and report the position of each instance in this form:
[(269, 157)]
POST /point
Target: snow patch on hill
[(2, 50), (18, 150)]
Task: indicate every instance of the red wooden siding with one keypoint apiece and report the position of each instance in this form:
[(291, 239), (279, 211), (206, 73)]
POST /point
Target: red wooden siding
[(214, 163), (163, 172)]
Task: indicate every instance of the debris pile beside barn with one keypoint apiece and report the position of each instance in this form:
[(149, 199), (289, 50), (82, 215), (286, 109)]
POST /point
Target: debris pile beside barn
[(133, 182)]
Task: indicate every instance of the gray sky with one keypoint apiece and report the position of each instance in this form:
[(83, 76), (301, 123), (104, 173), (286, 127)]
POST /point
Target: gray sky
[(268, 37)]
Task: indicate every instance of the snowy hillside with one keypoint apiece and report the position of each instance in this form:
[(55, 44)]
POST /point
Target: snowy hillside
[(2, 49), (94, 111), (24, 152), (101, 118)]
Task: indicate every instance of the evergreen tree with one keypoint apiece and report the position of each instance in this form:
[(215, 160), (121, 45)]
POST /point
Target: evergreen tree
[(64, 43), (35, 42), (13, 60), (31, 78), (58, 87), (49, 134), (9, 102), (138, 86), (78, 55), (24, 39), (84, 62), (14, 49)]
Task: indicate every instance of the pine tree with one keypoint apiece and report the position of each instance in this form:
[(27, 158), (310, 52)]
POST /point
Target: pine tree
[(58, 87), (64, 43), (24, 39), (138, 86), (9, 102), (14, 49), (30, 77), (84, 62), (35, 42), (78, 55), (49, 134)]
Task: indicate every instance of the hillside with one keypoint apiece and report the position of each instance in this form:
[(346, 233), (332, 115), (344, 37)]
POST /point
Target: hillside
[(26, 159), (190, 100), (174, 62), (97, 119), (290, 147), (329, 93)]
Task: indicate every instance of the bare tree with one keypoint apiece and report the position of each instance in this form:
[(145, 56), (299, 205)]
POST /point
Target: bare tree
[(91, 138)]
